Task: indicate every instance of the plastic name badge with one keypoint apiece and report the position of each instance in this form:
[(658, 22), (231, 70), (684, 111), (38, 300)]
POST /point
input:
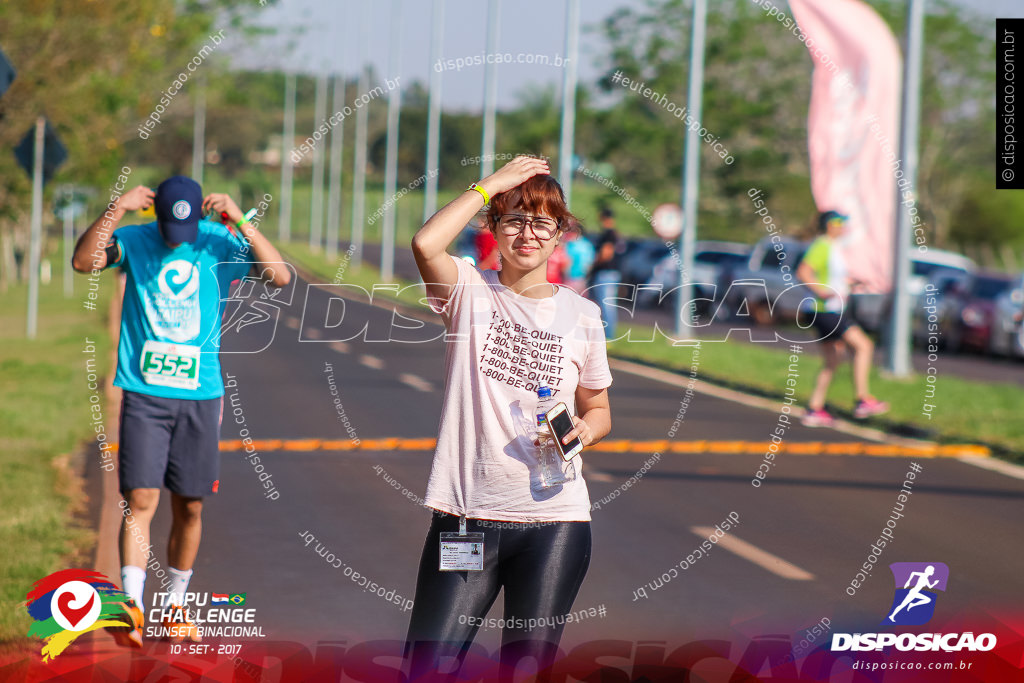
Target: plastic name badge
[(170, 365), (462, 553)]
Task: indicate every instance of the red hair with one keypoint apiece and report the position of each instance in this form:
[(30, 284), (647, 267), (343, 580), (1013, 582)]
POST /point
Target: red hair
[(538, 195)]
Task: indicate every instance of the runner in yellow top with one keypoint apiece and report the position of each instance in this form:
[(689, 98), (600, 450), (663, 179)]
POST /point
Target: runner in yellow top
[(823, 269)]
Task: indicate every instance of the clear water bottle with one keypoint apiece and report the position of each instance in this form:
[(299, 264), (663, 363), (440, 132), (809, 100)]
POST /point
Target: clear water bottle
[(550, 461)]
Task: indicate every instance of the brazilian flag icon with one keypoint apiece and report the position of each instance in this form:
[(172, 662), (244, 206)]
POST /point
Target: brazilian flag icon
[(237, 599)]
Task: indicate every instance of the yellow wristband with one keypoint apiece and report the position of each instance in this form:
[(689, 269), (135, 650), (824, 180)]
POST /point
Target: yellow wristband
[(482, 191)]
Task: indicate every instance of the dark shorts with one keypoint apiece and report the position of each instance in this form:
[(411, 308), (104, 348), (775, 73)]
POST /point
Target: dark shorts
[(828, 326), (169, 442)]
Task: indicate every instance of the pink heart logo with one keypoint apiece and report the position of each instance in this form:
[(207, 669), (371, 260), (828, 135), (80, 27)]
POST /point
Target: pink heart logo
[(73, 615)]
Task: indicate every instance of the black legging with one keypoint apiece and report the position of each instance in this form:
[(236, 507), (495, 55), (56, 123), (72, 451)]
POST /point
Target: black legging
[(541, 567)]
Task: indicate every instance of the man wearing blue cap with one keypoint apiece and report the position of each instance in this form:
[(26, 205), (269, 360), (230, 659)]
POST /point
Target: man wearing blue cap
[(178, 271)]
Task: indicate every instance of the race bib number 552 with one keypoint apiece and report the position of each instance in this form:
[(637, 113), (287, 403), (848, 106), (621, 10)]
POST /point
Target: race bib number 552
[(170, 365)]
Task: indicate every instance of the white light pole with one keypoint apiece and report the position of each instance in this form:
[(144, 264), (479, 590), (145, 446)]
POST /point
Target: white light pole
[(490, 92), (69, 239), (898, 351), (316, 209), (691, 172), (284, 228), (199, 129), (36, 234), (434, 112), (334, 185), (359, 176), (565, 147), (387, 236)]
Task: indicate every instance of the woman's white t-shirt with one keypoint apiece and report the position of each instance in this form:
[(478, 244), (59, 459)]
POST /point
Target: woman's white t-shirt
[(500, 347)]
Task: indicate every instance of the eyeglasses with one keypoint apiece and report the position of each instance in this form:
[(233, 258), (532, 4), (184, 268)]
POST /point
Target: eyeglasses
[(514, 223)]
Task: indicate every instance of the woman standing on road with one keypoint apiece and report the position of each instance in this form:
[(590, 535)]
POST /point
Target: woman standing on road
[(510, 333)]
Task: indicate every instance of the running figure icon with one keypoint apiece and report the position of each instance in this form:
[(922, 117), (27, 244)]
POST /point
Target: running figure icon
[(915, 597)]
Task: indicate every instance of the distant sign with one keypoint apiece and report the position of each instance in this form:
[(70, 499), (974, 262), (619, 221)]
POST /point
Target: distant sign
[(7, 73), (667, 221), (54, 153), (71, 202)]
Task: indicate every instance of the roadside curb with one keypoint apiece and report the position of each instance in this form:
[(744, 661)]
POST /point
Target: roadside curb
[(107, 560)]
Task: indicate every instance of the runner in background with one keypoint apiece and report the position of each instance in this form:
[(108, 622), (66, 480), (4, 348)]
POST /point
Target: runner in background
[(178, 270), (487, 256), (823, 269), (581, 253), (604, 273), (558, 264)]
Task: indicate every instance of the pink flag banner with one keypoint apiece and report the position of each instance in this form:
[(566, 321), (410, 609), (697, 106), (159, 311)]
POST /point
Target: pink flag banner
[(852, 128)]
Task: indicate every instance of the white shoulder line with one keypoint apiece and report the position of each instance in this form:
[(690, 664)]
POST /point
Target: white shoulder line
[(750, 552), (992, 464), (755, 401)]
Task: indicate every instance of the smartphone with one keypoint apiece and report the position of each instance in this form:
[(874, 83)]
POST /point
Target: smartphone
[(560, 424)]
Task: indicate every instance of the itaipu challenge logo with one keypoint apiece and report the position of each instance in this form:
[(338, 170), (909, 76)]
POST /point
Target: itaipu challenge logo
[(71, 602)]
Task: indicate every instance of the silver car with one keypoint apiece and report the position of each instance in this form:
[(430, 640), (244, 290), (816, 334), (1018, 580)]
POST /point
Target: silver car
[(759, 287), (872, 311), (1007, 338), (712, 260)]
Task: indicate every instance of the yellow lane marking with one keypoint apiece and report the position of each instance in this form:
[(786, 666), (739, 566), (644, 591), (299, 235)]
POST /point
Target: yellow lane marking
[(630, 446), (335, 445), (302, 445)]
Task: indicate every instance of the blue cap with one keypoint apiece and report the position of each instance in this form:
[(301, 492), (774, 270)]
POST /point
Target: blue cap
[(179, 206), (543, 392), (828, 216)]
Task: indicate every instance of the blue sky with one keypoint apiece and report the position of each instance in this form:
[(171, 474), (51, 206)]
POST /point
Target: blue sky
[(320, 35)]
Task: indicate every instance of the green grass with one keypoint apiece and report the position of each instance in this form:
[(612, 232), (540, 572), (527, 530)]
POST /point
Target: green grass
[(965, 410), (44, 417)]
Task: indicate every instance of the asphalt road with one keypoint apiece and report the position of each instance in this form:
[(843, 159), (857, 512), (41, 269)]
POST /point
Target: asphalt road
[(968, 365), (818, 513)]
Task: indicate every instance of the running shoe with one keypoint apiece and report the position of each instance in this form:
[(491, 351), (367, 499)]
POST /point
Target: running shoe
[(129, 636), (866, 407), (181, 627), (818, 418)]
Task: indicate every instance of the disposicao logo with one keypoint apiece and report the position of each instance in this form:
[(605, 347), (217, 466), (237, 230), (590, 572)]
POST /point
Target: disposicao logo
[(71, 602), (913, 604), (916, 583)]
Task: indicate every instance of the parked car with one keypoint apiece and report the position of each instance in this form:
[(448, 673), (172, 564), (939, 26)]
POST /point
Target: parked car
[(934, 302), (712, 262), (871, 311), (925, 267), (755, 286), (1007, 337), (639, 258), (965, 308)]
